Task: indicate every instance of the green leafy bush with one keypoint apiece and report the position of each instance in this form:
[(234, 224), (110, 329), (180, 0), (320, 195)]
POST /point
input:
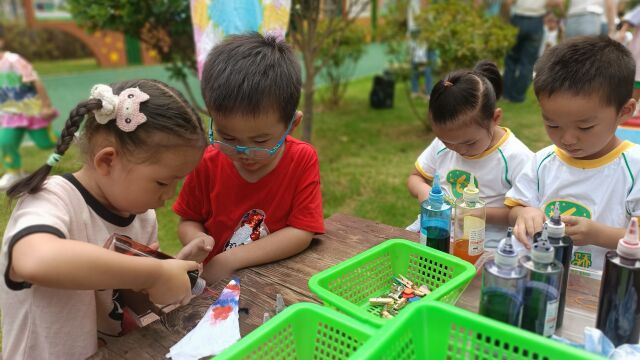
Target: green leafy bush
[(43, 44), (462, 34)]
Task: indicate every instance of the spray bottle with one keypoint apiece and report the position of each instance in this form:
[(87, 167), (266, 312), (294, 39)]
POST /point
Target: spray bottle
[(469, 224), (435, 219), (563, 247), (619, 306), (503, 280), (542, 289)]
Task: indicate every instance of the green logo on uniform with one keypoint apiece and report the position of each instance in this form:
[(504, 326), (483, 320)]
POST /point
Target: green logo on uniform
[(581, 259), (567, 208), (458, 180)]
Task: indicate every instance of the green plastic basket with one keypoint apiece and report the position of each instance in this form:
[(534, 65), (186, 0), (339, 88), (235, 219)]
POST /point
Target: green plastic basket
[(434, 330), (349, 285), (302, 331)]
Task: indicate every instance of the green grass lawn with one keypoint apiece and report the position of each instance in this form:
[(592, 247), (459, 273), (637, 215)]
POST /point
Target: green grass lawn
[(65, 66)]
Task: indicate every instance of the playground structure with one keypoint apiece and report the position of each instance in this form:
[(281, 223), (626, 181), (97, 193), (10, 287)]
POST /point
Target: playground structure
[(111, 49)]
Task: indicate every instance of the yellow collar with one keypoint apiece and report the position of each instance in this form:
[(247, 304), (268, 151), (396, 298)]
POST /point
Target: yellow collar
[(502, 140), (595, 163)]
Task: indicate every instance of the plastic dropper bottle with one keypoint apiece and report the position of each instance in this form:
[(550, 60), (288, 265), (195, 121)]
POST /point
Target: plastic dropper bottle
[(619, 306), (125, 245), (503, 280), (563, 247), (435, 219), (469, 224), (542, 290)]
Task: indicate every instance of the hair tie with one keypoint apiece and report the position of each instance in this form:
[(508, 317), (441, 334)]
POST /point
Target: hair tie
[(447, 83), (125, 108), (53, 159)]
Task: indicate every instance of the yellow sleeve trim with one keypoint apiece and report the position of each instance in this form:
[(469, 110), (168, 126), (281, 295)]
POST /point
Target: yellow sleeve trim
[(422, 172), (511, 202)]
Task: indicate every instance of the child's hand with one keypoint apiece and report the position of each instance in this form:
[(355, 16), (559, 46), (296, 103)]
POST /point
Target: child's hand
[(220, 267), (529, 221), (172, 284), (578, 229), (197, 249)]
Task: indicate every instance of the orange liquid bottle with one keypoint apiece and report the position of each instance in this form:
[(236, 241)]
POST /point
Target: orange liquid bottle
[(469, 224)]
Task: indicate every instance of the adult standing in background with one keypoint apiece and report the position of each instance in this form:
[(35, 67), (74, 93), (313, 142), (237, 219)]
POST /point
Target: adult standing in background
[(528, 17), (590, 18)]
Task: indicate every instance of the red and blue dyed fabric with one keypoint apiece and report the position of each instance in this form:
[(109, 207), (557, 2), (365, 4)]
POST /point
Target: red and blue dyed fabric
[(217, 330)]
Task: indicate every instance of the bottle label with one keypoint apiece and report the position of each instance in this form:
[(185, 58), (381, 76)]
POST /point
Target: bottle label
[(550, 318), (474, 229), (423, 236)]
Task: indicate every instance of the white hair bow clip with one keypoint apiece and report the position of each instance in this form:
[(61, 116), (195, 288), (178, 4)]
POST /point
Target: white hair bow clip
[(125, 108)]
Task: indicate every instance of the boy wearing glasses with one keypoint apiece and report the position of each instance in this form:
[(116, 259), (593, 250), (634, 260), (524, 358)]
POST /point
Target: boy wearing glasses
[(255, 196)]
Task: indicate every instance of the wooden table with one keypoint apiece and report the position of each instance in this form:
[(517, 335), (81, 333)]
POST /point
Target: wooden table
[(345, 237)]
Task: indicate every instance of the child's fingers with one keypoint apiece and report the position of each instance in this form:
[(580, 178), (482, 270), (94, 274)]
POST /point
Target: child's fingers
[(155, 246), (208, 243), (571, 220), (191, 265), (520, 233), (185, 253)]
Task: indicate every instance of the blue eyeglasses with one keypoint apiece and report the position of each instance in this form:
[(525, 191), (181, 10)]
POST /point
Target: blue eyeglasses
[(253, 153)]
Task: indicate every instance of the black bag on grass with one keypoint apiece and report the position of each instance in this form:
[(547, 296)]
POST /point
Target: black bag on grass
[(382, 92)]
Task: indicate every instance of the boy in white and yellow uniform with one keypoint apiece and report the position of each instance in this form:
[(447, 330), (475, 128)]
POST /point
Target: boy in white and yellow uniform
[(584, 89)]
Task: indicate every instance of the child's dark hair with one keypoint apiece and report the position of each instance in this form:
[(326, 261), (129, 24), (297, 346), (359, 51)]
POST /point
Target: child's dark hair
[(587, 66), (171, 122), (251, 74), (466, 92)]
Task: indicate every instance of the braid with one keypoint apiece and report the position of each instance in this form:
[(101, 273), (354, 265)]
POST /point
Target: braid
[(33, 183)]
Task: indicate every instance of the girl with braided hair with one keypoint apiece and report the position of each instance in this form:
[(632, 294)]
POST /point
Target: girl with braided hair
[(139, 139)]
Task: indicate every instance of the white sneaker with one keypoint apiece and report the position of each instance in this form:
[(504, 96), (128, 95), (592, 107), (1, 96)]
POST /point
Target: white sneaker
[(9, 179)]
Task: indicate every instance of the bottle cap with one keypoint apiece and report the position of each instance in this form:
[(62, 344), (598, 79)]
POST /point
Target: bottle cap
[(506, 255), (555, 224), (436, 195), (542, 251), (629, 246), (471, 192)]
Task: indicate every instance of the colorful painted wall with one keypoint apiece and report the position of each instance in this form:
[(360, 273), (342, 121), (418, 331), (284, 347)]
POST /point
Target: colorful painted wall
[(111, 49)]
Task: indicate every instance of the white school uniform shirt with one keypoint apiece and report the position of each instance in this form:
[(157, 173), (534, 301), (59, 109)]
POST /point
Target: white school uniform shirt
[(495, 171), (604, 190)]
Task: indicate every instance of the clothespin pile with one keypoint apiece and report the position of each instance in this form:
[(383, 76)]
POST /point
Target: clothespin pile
[(404, 292)]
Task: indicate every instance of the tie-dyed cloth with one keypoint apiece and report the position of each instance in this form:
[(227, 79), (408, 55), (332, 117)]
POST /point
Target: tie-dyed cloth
[(19, 103), (218, 329), (214, 19)]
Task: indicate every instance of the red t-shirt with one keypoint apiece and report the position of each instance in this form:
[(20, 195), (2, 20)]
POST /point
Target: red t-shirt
[(215, 195)]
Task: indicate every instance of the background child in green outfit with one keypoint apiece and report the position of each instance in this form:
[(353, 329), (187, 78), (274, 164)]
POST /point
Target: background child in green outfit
[(24, 108)]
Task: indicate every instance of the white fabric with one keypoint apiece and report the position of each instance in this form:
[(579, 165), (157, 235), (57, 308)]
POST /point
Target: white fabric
[(109, 103), (604, 190), (495, 171), (47, 323), (218, 329), (529, 7), (577, 7)]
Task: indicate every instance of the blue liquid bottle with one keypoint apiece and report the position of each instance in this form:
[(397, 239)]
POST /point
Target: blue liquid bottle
[(542, 290), (435, 219), (619, 306), (563, 247), (503, 281)]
